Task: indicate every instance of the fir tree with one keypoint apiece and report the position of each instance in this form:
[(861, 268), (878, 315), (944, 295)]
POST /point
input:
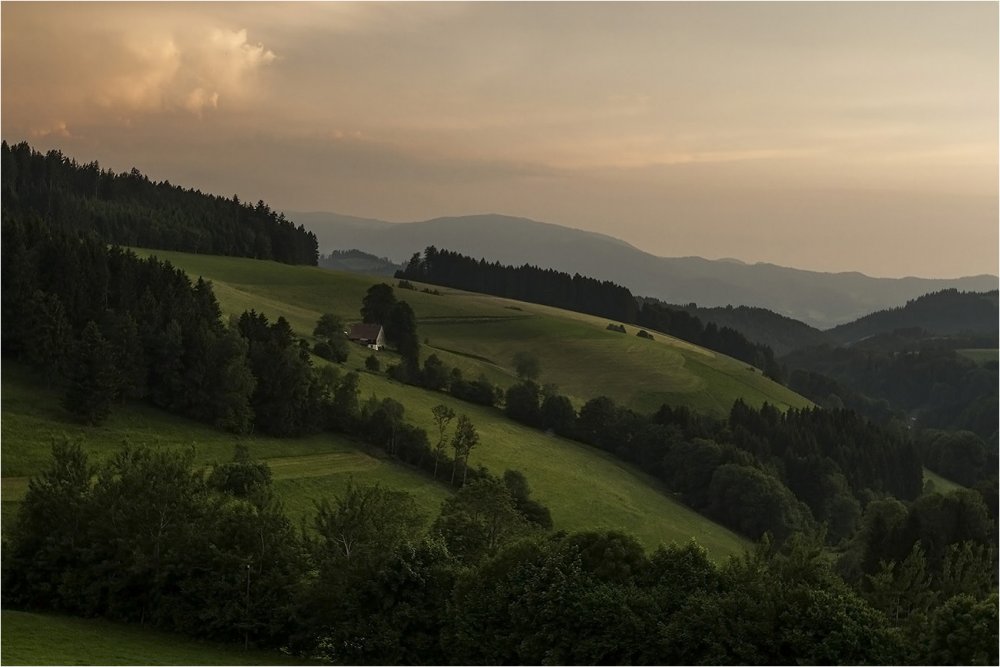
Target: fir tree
[(93, 379)]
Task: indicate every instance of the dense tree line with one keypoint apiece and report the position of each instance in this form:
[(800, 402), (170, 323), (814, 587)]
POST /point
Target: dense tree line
[(961, 456), (780, 333), (144, 538), (758, 471), (128, 209), (900, 375), (581, 294), (947, 312), (358, 261), (437, 376), (116, 327), (524, 283), (729, 341)]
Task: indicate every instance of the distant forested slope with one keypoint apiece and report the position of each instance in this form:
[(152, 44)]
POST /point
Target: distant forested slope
[(357, 261), (782, 334), (946, 312), (130, 209)]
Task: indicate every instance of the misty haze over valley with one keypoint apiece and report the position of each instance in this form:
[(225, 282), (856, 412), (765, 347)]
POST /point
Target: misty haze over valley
[(822, 300)]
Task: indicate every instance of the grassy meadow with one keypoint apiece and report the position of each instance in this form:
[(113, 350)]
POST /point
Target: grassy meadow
[(481, 334), (940, 484), (47, 639), (584, 487), (981, 355), (304, 469)]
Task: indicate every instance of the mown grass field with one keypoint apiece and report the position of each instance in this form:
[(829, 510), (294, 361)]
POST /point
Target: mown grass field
[(480, 334), (940, 484), (45, 639), (981, 355)]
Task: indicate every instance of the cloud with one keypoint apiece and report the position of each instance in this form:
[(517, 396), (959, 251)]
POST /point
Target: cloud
[(110, 67), (58, 129), (147, 69), (196, 73), (199, 99)]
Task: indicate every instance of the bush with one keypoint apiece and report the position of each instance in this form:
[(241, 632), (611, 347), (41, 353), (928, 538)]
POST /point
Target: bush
[(331, 350), (479, 391), (373, 364)]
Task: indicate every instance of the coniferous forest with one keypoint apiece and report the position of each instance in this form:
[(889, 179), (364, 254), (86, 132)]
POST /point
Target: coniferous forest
[(130, 210), (854, 561)]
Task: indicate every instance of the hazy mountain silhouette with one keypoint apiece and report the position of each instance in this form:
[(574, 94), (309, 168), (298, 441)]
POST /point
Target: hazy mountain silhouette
[(820, 299)]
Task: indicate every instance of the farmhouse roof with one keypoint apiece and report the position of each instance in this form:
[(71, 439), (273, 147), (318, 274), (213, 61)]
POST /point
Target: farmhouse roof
[(364, 331)]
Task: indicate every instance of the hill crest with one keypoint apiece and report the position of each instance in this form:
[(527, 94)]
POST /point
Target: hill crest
[(822, 300)]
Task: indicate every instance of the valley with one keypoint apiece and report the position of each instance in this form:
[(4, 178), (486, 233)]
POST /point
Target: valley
[(191, 443)]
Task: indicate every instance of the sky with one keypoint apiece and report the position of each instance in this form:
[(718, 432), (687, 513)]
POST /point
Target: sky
[(842, 136)]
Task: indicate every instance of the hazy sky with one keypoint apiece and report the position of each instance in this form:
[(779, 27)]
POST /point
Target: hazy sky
[(831, 136)]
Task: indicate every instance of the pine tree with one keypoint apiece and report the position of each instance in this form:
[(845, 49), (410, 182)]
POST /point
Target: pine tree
[(93, 379)]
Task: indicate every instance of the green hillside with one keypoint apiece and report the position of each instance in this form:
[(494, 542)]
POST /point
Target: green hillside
[(981, 356), (304, 469), (481, 333), (584, 487), (44, 639)]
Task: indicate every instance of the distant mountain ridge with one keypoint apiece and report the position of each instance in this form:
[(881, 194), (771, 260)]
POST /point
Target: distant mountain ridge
[(822, 300)]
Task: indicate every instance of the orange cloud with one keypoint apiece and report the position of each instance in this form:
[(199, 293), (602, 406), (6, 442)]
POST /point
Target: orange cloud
[(166, 73)]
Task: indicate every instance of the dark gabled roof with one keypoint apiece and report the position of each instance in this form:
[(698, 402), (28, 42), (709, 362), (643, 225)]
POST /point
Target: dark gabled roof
[(364, 331)]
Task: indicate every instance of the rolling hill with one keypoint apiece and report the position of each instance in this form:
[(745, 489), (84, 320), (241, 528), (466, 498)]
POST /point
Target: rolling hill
[(561, 472), (481, 334), (584, 487), (822, 300)]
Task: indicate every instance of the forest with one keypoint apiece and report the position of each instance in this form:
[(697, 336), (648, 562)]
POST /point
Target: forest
[(143, 538), (906, 372), (130, 210)]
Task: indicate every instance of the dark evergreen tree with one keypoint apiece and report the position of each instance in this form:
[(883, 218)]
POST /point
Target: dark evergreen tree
[(47, 334), (401, 331), (93, 378), (378, 302), (522, 403)]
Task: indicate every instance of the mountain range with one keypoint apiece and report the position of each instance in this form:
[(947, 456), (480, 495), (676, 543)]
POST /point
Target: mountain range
[(822, 300)]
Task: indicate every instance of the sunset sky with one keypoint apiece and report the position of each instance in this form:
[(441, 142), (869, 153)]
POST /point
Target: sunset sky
[(828, 136)]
